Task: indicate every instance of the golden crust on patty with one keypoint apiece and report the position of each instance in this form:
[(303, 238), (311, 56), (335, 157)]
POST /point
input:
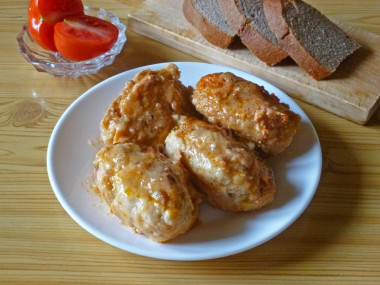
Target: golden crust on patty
[(146, 190), (145, 110), (247, 109), (231, 177)]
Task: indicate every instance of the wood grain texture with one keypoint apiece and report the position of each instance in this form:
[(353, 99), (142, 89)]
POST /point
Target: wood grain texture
[(351, 92), (335, 241)]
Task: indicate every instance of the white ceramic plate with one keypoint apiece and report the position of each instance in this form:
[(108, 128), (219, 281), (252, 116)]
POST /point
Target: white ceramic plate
[(69, 164)]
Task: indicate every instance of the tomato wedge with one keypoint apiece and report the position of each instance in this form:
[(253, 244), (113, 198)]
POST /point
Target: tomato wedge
[(44, 14), (84, 37)]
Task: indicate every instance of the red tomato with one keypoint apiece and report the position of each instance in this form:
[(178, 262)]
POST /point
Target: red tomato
[(83, 37), (44, 14)]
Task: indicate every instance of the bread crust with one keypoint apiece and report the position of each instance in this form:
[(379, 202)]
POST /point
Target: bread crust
[(274, 12), (211, 33), (250, 37)]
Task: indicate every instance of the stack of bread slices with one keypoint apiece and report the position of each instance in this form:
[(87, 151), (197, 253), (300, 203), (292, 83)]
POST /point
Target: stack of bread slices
[(274, 30)]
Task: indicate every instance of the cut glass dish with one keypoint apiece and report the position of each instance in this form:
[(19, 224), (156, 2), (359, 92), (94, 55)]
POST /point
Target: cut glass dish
[(55, 64)]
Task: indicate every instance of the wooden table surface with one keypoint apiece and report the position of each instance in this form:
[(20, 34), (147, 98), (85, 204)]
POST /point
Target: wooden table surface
[(335, 241)]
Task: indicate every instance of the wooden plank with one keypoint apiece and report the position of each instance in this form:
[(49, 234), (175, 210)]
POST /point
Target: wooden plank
[(352, 92)]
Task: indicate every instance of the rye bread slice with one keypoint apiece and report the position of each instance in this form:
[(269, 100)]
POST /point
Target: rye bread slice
[(314, 42), (247, 19), (206, 16)]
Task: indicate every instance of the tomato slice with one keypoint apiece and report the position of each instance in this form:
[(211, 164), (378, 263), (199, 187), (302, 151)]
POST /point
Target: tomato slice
[(84, 37), (44, 14)]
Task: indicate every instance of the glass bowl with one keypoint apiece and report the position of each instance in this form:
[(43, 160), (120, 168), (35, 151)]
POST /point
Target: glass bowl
[(55, 64)]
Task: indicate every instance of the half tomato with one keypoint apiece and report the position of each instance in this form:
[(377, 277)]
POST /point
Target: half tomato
[(84, 37)]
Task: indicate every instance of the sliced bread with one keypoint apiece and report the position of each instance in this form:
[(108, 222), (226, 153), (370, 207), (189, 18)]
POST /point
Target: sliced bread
[(247, 19), (206, 16), (314, 42)]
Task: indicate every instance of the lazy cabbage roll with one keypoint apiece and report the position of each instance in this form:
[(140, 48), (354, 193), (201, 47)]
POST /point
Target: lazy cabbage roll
[(147, 191), (230, 177), (254, 115), (146, 109)]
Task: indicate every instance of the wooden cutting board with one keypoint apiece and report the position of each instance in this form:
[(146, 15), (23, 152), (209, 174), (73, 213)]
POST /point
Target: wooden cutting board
[(352, 92)]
